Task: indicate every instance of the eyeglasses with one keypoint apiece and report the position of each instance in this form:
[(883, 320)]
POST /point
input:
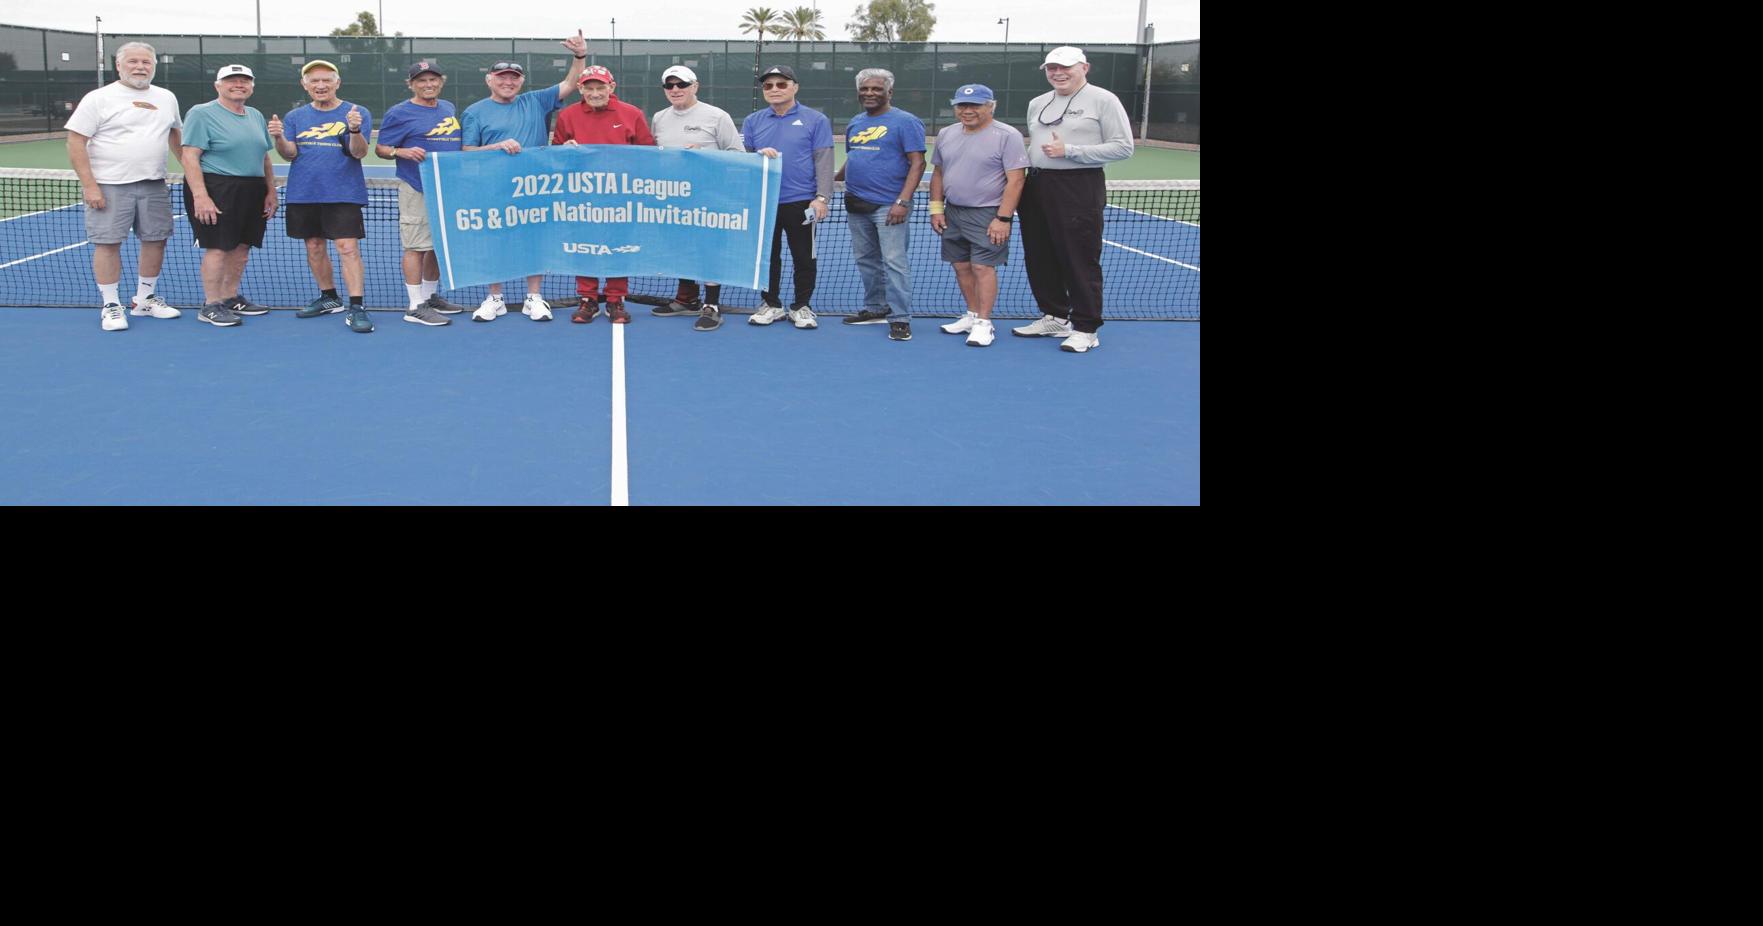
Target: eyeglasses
[(675, 86), (781, 86)]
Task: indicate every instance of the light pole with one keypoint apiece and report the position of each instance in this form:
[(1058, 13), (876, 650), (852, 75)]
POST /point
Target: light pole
[(1006, 21), (615, 29)]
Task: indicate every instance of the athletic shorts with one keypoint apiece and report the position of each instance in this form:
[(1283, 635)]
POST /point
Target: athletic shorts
[(142, 206), (325, 220), (965, 241), (413, 220), (241, 221)]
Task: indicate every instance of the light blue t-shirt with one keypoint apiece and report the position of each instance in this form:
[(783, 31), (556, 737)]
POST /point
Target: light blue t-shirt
[(324, 172), (526, 119), (875, 153), (413, 125), (232, 144), (796, 135)]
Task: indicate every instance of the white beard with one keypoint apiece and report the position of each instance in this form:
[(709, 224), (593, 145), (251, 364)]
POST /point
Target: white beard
[(139, 83)]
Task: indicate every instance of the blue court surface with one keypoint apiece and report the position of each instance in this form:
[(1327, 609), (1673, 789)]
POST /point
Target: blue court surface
[(302, 411)]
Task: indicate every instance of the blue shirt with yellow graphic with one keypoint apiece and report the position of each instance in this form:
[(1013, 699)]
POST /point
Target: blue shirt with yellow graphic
[(875, 153), (324, 172), (412, 125)]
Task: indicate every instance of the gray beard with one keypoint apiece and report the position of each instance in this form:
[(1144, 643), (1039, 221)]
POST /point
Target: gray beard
[(139, 83)]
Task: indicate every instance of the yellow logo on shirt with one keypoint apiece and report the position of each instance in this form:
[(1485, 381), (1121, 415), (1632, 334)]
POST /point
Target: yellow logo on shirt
[(447, 126), (328, 130), (873, 133)]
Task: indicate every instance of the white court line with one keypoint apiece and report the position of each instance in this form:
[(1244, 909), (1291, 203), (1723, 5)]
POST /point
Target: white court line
[(26, 260), (621, 483), (1153, 256), (42, 212), (1155, 216)]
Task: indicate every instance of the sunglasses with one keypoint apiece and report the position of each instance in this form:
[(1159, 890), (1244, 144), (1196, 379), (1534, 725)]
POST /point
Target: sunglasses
[(505, 66), (675, 86), (781, 86)]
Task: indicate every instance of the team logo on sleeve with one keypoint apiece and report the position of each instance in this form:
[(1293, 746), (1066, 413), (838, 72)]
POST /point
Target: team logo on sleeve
[(447, 126), (328, 130), (873, 133)]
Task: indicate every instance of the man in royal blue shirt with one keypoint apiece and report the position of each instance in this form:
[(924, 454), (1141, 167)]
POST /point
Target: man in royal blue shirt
[(509, 120), (412, 129), (803, 139), (884, 157), (324, 142)]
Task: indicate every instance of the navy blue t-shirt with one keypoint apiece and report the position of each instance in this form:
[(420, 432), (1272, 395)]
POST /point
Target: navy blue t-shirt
[(875, 153), (411, 125), (324, 172)]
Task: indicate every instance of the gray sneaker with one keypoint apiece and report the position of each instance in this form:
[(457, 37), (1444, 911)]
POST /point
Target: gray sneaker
[(218, 314), (443, 306), (677, 308), (243, 305), (709, 319), (425, 314)]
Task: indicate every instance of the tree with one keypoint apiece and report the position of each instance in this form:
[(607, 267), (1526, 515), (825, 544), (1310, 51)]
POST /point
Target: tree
[(893, 21), (760, 20), (364, 24), (802, 24)]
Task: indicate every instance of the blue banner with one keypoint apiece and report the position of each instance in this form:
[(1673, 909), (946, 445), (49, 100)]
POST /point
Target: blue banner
[(602, 211)]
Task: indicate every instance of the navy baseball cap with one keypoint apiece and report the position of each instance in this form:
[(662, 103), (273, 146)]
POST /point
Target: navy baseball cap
[(514, 66), (779, 70), (424, 67), (972, 93)]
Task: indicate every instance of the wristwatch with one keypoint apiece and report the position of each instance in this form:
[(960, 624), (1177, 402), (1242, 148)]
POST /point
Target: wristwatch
[(903, 202), (822, 198)]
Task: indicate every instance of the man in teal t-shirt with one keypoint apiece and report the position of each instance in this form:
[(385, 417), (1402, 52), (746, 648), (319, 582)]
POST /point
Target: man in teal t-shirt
[(229, 191)]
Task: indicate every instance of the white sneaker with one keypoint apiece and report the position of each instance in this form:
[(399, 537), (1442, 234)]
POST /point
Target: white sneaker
[(1048, 327), (961, 325), (492, 308), (536, 309), (982, 334), (804, 317), (767, 314), (154, 306), (1080, 341), (113, 318)]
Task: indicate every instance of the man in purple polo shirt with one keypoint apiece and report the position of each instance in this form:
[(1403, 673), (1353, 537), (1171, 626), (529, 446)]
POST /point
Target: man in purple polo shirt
[(980, 170)]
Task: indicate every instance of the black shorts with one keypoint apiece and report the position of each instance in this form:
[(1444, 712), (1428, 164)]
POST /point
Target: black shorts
[(240, 201), (325, 220)]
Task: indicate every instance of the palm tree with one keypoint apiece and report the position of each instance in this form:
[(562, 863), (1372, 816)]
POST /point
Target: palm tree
[(760, 20), (804, 23)]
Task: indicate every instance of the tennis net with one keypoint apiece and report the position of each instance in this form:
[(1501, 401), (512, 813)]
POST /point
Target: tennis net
[(1150, 257)]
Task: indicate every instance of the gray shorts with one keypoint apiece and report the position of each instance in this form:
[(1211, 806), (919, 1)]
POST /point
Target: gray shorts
[(965, 241), (413, 219), (143, 206)]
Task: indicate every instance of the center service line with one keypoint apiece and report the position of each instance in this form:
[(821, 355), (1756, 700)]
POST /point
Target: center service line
[(621, 488)]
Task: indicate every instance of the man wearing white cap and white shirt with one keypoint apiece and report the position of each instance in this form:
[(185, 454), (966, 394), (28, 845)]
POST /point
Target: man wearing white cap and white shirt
[(1072, 132), (116, 140), (229, 190), (688, 123)]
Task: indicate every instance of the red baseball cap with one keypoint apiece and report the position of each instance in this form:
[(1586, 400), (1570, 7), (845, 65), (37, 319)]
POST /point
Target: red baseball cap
[(597, 72)]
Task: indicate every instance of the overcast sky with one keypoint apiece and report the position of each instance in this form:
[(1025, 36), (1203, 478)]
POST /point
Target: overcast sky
[(1061, 21)]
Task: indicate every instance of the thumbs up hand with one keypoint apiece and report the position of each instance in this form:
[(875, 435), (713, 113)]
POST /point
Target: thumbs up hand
[(1056, 149), (275, 126), (354, 118)]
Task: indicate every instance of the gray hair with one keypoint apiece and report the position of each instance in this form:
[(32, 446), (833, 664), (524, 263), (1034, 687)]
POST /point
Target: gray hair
[(886, 76), (124, 47)]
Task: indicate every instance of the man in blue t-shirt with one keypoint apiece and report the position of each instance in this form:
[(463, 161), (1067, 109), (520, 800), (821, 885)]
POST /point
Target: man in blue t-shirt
[(803, 139), (324, 142), (411, 130), (884, 157), (510, 121)]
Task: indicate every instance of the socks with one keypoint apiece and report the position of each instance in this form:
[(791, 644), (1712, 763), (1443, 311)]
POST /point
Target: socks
[(416, 295), (109, 292), (355, 302), (429, 287), (145, 288), (328, 293)]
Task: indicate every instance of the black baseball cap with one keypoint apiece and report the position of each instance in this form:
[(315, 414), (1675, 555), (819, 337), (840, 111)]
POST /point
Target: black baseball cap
[(779, 70), (424, 67)]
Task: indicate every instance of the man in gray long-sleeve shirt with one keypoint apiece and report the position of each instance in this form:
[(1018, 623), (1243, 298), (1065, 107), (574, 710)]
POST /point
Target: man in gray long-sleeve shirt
[(1072, 132)]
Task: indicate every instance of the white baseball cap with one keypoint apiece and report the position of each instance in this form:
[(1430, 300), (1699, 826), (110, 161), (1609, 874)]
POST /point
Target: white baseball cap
[(682, 72), (1065, 56), (234, 70)]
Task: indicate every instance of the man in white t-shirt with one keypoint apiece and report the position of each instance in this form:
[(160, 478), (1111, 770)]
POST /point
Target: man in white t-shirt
[(117, 140)]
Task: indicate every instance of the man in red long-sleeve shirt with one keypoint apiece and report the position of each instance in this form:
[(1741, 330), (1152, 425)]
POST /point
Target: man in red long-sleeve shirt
[(601, 119)]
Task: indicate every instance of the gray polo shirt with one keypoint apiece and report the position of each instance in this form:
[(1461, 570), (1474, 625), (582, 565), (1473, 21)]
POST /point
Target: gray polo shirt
[(702, 125), (1095, 128)]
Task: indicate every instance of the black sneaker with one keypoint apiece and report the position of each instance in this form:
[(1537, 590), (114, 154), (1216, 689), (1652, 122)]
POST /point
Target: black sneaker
[(710, 319), (243, 305), (218, 314), (899, 331), (868, 317), (677, 308)]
